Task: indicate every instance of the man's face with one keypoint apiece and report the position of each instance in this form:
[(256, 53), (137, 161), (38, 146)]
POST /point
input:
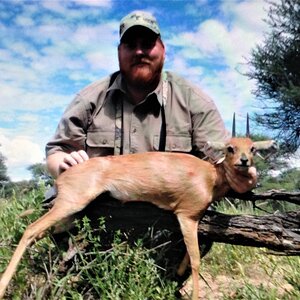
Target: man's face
[(141, 57)]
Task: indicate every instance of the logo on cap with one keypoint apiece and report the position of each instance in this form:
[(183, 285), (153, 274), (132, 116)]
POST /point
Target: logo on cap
[(139, 18)]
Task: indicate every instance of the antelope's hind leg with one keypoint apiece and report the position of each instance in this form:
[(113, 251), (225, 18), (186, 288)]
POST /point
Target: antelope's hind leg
[(183, 265), (189, 229), (35, 231)]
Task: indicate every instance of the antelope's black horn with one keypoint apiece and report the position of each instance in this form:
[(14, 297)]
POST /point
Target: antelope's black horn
[(247, 127), (233, 125)]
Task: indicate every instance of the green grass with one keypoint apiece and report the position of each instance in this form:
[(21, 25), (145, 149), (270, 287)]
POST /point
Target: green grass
[(239, 272), (121, 272), (250, 273), (129, 272)]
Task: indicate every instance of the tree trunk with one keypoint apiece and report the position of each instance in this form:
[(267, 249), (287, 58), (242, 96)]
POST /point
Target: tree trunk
[(279, 195), (278, 232), (159, 229)]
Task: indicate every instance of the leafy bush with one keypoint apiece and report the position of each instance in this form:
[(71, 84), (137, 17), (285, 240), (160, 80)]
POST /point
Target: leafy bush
[(121, 272)]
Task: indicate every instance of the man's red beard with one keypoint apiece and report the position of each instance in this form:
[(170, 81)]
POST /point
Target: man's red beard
[(143, 75)]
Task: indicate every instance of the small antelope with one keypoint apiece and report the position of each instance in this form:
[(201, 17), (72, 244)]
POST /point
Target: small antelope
[(178, 182)]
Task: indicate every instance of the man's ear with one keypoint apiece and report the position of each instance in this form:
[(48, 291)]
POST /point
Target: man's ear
[(119, 49), (162, 43)]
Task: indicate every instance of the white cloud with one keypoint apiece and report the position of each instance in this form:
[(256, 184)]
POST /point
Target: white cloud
[(23, 50), (179, 65), (231, 93), (22, 99), (97, 36), (55, 6), (211, 37), (52, 33), (248, 15), (97, 3), (24, 21), (15, 73), (223, 44), (70, 12), (214, 40), (229, 39), (20, 152), (103, 61)]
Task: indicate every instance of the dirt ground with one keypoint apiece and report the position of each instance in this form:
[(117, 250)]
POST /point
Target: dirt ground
[(220, 286)]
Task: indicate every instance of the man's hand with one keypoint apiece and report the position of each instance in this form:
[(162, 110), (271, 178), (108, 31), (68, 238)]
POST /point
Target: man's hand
[(72, 159), (240, 182), (60, 161)]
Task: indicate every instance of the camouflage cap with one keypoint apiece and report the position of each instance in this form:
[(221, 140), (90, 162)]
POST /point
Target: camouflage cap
[(139, 18)]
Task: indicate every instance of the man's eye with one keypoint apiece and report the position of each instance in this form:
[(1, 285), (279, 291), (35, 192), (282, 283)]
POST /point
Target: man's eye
[(130, 45), (148, 44), (145, 44)]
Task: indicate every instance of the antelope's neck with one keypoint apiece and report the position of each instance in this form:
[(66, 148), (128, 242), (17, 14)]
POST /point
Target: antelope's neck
[(222, 186)]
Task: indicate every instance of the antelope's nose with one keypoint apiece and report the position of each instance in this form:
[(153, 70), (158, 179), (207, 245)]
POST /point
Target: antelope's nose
[(244, 159)]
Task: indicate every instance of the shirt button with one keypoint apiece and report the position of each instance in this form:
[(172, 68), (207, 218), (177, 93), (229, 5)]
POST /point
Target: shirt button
[(134, 130), (104, 142)]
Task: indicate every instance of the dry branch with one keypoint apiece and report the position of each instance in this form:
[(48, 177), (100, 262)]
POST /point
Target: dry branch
[(279, 195), (277, 232)]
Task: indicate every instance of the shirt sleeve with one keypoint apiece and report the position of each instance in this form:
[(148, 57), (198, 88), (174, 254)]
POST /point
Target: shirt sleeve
[(70, 134), (207, 123)]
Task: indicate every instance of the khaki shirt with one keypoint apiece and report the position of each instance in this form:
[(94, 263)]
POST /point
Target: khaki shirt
[(89, 122)]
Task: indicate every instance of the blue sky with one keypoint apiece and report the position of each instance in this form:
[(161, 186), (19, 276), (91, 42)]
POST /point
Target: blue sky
[(50, 49)]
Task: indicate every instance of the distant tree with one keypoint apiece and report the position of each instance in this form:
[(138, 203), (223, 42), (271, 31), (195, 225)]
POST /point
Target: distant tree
[(40, 173), (275, 66), (3, 170), (287, 180)]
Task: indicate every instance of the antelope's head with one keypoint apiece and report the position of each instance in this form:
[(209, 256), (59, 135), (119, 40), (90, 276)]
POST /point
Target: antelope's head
[(239, 151)]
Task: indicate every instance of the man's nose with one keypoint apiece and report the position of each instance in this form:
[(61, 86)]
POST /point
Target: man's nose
[(139, 48)]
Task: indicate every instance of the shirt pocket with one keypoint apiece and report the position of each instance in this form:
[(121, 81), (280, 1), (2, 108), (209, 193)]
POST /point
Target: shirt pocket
[(175, 143), (100, 143)]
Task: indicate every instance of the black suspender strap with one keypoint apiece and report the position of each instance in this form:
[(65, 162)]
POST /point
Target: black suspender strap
[(163, 130), (118, 149)]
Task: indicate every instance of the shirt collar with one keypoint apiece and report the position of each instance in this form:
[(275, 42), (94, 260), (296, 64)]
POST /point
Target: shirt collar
[(118, 84)]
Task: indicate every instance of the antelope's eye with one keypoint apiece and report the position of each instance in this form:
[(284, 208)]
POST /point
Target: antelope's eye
[(230, 149), (253, 149)]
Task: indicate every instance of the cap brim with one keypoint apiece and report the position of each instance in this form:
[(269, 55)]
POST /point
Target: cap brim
[(131, 28)]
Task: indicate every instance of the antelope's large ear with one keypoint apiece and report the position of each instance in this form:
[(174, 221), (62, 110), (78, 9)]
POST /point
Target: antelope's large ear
[(214, 151), (216, 146), (270, 146)]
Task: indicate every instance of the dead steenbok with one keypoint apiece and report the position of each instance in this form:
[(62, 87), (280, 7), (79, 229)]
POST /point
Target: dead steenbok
[(178, 182)]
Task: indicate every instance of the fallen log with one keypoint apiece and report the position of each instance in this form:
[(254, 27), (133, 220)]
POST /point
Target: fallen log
[(278, 195), (277, 232), (159, 229)]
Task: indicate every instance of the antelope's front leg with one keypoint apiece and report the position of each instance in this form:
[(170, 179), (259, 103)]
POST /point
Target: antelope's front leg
[(189, 229)]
